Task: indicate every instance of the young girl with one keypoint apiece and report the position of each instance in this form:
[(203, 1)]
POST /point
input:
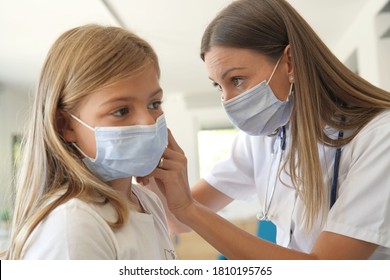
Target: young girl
[(97, 122)]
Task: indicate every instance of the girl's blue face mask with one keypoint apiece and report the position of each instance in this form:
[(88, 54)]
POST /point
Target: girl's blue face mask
[(124, 151), (257, 111)]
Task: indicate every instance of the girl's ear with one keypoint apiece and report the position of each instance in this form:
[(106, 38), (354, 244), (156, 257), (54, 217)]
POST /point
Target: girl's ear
[(287, 53), (64, 126)]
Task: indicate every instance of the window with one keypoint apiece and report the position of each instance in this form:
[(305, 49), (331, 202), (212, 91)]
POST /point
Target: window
[(213, 145)]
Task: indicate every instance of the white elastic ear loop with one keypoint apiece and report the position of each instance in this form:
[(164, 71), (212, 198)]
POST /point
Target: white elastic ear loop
[(78, 149), (273, 71), (86, 125), (80, 121), (290, 91)]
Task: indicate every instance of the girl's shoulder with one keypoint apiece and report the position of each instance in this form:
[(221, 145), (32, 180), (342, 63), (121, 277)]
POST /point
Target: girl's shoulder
[(77, 209), (68, 227)]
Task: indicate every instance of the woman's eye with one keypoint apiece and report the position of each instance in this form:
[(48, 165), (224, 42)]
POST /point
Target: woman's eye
[(217, 86), (121, 112), (237, 81), (155, 105)]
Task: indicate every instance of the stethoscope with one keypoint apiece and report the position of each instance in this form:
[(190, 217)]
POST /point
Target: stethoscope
[(333, 190), (336, 167), (263, 216)]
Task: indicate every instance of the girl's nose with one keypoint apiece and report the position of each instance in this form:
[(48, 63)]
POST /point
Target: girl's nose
[(145, 118)]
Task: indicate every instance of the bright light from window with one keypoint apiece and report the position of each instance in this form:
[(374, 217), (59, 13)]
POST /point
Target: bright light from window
[(213, 145)]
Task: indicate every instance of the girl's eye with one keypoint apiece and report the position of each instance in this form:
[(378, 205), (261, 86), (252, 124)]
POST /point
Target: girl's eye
[(237, 81), (155, 105), (217, 86), (121, 112)]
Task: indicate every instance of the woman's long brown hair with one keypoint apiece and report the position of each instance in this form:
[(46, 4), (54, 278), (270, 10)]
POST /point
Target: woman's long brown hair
[(325, 90)]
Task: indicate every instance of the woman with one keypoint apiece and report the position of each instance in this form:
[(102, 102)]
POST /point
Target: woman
[(96, 122), (313, 144)]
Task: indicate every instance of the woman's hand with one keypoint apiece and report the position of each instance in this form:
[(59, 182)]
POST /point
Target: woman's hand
[(171, 177), (175, 226)]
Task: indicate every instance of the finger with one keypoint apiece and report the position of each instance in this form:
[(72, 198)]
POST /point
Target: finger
[(161, 162), (171, 154), (167, 164), (172, 144), (142, 180), (172, 160), (168, 154), (157, 174), (154, 176)]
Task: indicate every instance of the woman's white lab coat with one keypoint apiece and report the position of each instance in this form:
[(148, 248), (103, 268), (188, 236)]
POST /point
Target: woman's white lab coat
[(362, 208)]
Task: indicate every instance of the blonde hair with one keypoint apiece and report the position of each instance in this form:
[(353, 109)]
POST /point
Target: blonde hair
[(322, 85), (82, 60)]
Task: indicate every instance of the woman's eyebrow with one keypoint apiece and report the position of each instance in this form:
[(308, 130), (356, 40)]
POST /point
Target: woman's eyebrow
[(230, 70)]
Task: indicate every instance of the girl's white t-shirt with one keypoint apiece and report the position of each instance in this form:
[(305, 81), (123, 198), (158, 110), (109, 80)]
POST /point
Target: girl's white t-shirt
[(362, 208), (78, 230)]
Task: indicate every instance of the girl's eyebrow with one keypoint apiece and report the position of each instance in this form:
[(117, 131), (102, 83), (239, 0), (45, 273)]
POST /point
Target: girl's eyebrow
[(116, 99), (156, 92)]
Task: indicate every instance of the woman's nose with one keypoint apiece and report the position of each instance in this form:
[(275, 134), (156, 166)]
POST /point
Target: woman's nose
[(226, 95)]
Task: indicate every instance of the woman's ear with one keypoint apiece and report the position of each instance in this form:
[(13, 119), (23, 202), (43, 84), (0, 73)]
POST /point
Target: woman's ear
[(64, 126), (287, 53)]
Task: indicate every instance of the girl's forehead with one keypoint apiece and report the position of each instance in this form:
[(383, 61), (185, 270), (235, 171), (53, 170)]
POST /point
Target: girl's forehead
[(137, 86)]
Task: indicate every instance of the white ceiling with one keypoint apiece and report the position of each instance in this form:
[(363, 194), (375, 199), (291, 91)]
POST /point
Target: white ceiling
[(173, 27)]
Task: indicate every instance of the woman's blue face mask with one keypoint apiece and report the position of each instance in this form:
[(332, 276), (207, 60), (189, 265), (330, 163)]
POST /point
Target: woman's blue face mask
[(258, 111)]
